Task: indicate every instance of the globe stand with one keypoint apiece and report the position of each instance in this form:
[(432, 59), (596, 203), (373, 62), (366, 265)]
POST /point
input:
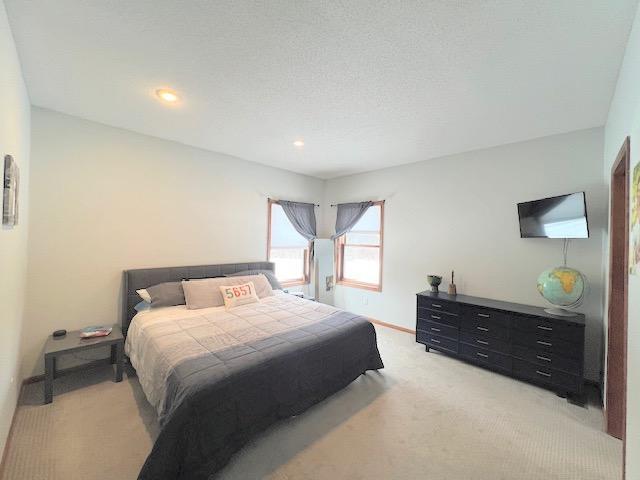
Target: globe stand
[(560, 312), (564, 302)]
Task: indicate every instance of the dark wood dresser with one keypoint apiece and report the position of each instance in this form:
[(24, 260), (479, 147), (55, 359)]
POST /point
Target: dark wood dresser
[(517, 340)]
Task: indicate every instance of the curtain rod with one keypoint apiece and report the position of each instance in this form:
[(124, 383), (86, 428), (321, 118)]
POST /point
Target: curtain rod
[(306, 203), (317, 204), (372, 201)]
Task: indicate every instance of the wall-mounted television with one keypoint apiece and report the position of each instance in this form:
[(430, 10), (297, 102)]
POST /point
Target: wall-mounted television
[(564, 216)]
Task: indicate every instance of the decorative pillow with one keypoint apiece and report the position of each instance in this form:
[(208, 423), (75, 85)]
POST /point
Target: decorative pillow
[(205, 293), (144, 295), (166, 294), (275, 284), (236, 295), (142, 306)]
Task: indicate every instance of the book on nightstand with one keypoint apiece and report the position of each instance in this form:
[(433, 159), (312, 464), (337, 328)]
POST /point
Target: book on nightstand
[(95, 331)]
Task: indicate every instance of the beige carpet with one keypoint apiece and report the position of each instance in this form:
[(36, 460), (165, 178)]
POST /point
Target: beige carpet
[(426, 416)]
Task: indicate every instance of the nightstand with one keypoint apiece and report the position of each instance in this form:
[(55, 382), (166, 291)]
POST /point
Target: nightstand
[(72, 343)]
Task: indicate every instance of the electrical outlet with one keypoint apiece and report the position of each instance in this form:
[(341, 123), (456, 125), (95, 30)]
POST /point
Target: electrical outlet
[(365, 301)]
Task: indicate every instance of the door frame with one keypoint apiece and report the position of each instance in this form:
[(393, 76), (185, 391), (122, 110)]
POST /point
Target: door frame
[(618, 286)]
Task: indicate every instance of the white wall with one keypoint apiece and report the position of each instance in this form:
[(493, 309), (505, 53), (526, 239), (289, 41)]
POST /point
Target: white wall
[(623, 120), (105, 199), (14, 140), (459, 212), (323, 252)]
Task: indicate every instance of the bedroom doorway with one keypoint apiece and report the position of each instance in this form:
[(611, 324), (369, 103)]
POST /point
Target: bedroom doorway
[(616, 383)]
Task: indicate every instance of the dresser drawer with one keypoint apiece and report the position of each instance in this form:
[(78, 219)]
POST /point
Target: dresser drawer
[(439, 317), (547, 376), (438, 329), (438, 305), (485, 357), (550, 328), (543, 343), (548, 359), (488, 316), (482, 341), (437, 341), (485, 326)]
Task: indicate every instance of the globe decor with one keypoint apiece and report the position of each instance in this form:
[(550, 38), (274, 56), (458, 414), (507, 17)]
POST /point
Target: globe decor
[(563, 287)]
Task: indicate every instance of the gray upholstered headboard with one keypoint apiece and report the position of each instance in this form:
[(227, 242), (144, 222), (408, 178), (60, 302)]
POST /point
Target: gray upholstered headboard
[(146, 277)]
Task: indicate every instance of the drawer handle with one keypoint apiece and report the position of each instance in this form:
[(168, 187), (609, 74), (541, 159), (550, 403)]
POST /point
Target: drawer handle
[(548, 329), (435, 317), (540, 357), (485, 315), (483, 329), (437, 305), (434, 340), (546, 344), (544, 374), (482, 342), (483, 355), (435, 329)]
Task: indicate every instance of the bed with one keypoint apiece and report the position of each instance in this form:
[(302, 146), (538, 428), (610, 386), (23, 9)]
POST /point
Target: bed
[(216, 377)]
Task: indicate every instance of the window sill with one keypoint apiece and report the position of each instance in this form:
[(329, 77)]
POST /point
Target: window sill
[(362, 286), (294, 283)]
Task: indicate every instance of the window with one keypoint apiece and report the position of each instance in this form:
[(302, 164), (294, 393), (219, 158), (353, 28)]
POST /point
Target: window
[(359, 252), (287, 249)]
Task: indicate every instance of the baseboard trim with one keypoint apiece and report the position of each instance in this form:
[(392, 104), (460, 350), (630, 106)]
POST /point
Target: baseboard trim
[(66, 371), (35, 379), (9, 434), (597, 386), (391, 325)]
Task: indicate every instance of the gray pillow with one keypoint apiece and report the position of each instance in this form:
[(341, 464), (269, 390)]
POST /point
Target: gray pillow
[(275, 284), (166, 294)]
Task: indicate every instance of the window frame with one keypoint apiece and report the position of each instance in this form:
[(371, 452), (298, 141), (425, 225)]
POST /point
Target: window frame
[(339, 245), (306, 278)]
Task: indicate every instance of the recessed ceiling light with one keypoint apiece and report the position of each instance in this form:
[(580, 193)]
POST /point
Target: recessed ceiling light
[(298, 143), (167, 95)]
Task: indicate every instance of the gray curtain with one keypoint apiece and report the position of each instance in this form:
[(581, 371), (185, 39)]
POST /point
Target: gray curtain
[(348, 216), (302, 216)]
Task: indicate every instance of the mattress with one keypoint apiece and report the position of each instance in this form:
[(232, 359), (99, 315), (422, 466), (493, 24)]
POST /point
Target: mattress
[(218, 376)]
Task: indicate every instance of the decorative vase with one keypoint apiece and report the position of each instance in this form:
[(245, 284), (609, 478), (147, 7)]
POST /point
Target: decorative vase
[(452, 285), (434, 281)]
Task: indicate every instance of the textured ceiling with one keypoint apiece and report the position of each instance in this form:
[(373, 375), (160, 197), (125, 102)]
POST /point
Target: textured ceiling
[(365, 84)]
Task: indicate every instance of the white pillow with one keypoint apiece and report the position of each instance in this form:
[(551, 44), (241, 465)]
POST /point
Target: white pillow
[(236, 295), (205, 292), (144, 295)]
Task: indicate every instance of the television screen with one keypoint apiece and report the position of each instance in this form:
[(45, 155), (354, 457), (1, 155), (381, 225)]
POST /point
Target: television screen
[(556, 217)]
